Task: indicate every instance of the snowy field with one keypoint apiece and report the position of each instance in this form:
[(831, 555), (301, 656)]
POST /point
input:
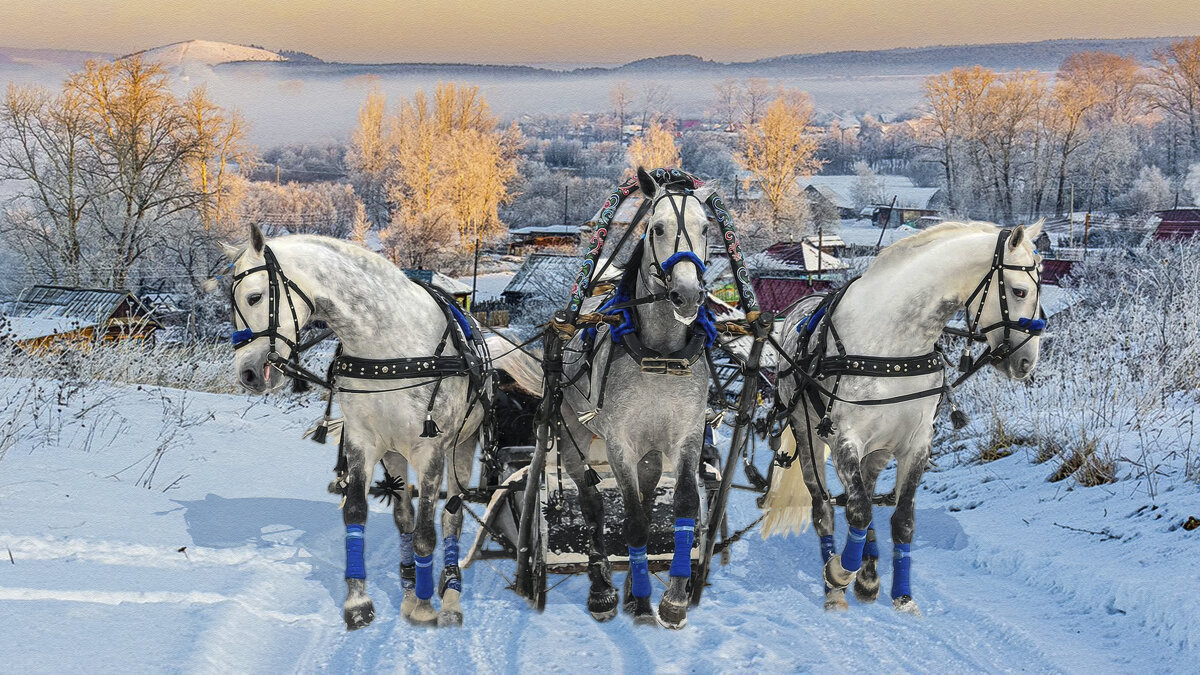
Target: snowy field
[(229, 558)]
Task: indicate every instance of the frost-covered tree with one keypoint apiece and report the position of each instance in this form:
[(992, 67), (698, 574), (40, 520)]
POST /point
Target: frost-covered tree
[(868, 186), (1151, 190), (655, 148), (776, 151)]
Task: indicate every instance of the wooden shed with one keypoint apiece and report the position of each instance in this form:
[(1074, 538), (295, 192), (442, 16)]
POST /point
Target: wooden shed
[(45, 318)]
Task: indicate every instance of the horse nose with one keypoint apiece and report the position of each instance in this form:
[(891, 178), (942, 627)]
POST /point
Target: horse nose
[(1025, 364), (249, 378), (676, 299)]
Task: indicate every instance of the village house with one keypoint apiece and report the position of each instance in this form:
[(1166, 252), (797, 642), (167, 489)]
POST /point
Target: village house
[(788, 271), (1177, 224), (897, 200), (45, 318)]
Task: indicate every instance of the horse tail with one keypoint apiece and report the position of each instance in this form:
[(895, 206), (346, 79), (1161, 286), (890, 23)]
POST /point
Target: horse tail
[(788, 506), (521, 366)]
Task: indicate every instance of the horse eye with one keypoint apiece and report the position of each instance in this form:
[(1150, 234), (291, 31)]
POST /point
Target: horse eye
[(1020, 292), (658, 230), (254, 299)]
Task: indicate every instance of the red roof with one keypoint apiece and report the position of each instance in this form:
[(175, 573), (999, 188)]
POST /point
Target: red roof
[(778, 295), (1053, 270), (1178, 224)]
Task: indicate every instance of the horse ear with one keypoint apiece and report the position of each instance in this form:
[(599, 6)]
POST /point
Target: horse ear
[(232, 252), (646, 184), (257, 241), (1035, 230), (1017, 237)]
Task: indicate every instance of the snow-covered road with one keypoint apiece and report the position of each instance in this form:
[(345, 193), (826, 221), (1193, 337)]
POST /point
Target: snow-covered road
[(1012, 573)]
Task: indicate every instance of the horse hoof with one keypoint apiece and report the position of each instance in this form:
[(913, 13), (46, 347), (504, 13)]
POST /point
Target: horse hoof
[(905, 604), (602, 605), (835, 600), (423, 614), (643, 612), (835, 575), (449, 618), (409, 603), (358, 613), (866, 584), (672, 615)]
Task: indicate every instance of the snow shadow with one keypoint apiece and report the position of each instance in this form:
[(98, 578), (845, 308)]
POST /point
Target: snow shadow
[(314, 527)]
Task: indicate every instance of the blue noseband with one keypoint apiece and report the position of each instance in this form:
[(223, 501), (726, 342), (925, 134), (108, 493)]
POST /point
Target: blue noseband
[(1033, 325), (240, 337), (680, 256)]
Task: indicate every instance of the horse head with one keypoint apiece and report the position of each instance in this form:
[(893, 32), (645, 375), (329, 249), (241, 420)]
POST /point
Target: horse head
[(676, 243), (1009, 314), (268, 311)]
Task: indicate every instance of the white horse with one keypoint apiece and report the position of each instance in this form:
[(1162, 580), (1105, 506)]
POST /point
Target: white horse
[(889, 321), (653, 386), (430, 422)]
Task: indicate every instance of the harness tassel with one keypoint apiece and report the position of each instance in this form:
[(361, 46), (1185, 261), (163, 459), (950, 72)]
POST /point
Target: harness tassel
[(431, 429), (825, 428), (590, 477), (321, 432), (958, 419)]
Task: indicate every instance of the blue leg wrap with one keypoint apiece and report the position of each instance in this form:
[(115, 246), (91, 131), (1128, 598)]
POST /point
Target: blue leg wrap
[(901, 567), (685, 534), (424, 576), (639, 571), (827, 548), (450, 546), (406, 557), (871, 549), (852, 554), (355, 568)]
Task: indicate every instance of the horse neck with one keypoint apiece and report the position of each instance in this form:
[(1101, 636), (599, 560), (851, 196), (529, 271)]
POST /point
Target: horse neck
[(372, 307), (658, 328), (901, 309)]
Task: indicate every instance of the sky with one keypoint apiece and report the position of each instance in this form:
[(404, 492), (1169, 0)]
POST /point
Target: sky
[(574, 31)]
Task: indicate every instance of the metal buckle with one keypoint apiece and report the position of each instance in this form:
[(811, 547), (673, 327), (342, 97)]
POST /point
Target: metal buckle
[(666, 366)]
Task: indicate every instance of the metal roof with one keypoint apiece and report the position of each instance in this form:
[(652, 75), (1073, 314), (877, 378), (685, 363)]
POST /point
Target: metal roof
[(47, 310)]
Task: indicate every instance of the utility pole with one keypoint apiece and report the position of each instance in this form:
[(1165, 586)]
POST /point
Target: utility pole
[(474, 272), (566, 201)]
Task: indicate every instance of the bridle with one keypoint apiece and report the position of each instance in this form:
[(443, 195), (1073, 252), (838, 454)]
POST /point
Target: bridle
[(277, 283), (1030, 326), (661, 269)]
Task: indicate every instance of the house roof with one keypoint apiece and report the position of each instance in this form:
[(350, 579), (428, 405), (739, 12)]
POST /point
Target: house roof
[(451, 286), (777, 295), (793, 258), (840, 189), (544, 275), (1190, 216), (44, 310), (546, 230)]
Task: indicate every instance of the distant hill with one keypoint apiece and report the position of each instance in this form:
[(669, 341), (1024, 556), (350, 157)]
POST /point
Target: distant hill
[(205, 52)]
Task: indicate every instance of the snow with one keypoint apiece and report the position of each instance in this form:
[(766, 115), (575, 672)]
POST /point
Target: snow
[(206, 52), (488, 286), (863, 233), (232, 560)]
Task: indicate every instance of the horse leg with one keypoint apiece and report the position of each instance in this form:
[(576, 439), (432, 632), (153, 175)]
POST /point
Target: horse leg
[(637, 532), (450, 584), (649, 470), (909, 469), (357, 610), (811, 455), (429, 477), (841, 569), (602, 596), (672, 609), (866, 582), (405, 517)]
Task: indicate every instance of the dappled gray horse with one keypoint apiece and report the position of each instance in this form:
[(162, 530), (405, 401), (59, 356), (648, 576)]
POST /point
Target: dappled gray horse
[(861, 376), (410, 395), (643, 390)]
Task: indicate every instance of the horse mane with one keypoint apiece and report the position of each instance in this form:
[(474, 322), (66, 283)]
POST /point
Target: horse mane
[(903, 248)]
